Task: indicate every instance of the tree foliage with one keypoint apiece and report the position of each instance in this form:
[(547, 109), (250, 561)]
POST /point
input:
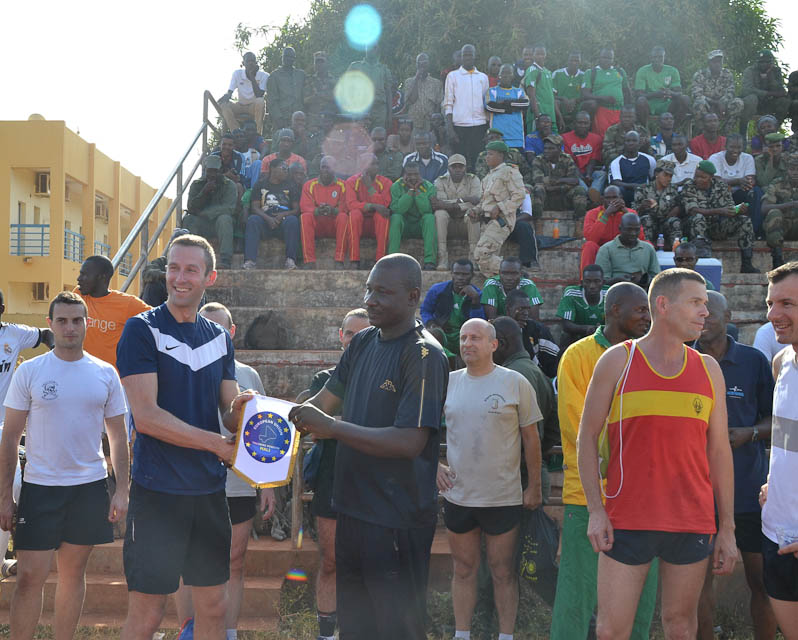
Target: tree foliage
[(688, 29)]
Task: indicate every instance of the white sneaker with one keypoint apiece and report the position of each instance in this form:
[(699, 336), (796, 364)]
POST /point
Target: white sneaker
[(249, 264), (290, 264)]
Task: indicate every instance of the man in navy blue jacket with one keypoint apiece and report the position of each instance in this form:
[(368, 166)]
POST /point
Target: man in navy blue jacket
[(449, 304)]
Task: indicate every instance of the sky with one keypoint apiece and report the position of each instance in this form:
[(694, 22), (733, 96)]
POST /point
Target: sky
[(130, 76)]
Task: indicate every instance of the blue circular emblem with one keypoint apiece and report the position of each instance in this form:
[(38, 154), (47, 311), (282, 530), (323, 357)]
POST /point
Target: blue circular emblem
[(267, 437)]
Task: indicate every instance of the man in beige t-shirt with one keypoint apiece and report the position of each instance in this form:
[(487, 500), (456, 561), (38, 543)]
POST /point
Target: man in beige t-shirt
[(489, 411)]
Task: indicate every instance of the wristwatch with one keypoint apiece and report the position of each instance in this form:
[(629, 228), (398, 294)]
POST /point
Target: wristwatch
[(755, 435)]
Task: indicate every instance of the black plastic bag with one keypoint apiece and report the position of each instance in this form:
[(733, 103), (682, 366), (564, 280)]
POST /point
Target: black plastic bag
[(539, 540)]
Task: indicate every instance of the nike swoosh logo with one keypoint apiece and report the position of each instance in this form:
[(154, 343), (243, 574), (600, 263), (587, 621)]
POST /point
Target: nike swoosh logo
[(174, 346)]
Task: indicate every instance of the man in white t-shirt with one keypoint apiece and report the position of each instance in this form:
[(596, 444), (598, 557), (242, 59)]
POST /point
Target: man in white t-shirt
[(241, 497), (736, 168), (779, 497), (489, 411), (686, 162), (67, 397), (250, 82)]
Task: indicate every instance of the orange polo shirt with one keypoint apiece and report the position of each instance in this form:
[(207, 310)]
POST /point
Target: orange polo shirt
[(107, 318)]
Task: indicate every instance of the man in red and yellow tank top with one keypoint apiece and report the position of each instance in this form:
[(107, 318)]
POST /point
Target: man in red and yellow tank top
[(669, 456)]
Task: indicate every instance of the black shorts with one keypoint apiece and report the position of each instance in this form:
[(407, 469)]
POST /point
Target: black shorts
[(748, 531), (48, 516), (641, 547), (780, 572), (172, 536), (242, 508), (321, 505), (494, 521), (381, 580)]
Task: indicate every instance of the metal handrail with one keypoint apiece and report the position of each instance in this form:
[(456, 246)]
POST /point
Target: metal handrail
[(141, 228)]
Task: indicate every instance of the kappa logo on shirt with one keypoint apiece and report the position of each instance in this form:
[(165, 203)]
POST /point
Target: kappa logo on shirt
[(388, 386), (50, 390)]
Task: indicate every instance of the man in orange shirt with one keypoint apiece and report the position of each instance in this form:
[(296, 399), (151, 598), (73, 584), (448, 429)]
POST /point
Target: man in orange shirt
[(602, 224), (109, 310), (368, 196), (323, 209)]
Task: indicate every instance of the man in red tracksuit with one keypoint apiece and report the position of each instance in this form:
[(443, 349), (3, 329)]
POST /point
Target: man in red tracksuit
[(323, 214), (602, 224), (368, 196)]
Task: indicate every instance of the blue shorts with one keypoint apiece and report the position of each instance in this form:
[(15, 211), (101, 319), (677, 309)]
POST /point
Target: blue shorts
[(641, 547)]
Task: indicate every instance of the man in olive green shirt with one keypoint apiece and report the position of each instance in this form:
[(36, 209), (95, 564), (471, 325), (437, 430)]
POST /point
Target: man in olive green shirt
[(627, 258), (380, 77), (412, 214)]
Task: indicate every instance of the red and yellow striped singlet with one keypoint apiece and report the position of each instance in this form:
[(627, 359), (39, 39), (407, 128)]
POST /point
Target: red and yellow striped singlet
[(666, 485)]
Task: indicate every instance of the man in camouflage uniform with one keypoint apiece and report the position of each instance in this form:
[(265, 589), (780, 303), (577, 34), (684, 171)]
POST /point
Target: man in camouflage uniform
[(712, 91), (514, 158), (763, 90), (780, 207), (613, 138), (710, 214), (553, 173), (658, 204), (502, 194)]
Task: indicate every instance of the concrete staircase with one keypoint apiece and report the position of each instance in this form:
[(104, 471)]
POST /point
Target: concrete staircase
[(287, 329)]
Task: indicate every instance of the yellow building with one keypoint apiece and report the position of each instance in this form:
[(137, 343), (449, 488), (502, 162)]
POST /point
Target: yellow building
[(62, 200)]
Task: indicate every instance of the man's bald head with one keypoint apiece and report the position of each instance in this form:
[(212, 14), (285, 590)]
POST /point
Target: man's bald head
[(404, 264), (477, 344), (630, 218), (478, 324), (509, 338), (623, 293), (626, 311), (717, 303)]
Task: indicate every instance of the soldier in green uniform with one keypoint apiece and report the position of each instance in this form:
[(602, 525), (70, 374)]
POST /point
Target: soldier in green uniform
[(771, 164), (713, 91), (502, 194), (318, 96), (763, 90), (555, 172), (658, 204), (381, 78), (514, 158), (612, 146), (710, 214), (780, 207)]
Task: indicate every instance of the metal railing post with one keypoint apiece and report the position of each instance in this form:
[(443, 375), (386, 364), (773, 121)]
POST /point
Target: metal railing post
[(179, 197)]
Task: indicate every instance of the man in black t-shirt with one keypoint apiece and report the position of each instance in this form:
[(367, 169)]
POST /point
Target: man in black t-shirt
[(537, 338), (392, 383), (273, 208)]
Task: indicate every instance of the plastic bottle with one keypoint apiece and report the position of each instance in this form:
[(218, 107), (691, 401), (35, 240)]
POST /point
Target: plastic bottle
[(660, 242), (555, 232), (676, 243)]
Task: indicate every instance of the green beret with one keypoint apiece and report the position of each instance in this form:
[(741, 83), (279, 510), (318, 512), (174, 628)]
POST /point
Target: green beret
[(497, 145), (774, 137), (707, 167), (496, 131)]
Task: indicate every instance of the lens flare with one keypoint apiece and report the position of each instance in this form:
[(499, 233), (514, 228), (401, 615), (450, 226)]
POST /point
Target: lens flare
[(354, 93), (363, 26)]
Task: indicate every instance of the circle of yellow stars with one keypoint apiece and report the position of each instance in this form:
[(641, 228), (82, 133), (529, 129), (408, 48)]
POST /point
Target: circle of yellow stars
[(287, 441)]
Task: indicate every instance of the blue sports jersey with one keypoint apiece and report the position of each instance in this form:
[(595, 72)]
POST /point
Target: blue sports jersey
[(510, 124), (191, 359)]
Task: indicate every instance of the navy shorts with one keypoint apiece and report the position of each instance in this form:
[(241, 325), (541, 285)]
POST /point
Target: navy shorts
[(242, 508), (780, 572), (748, 531), (494, 521), (641, 547), (48, 516)]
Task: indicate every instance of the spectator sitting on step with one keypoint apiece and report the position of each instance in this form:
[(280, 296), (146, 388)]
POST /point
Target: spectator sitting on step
[(389, 161), (250, 154), (232, 161), (658, 205), (710, 214), (631, 168), (709, 141), (212, 203), (303, 146), (412, 214), (685, 163), (555, 173), (614, 140), (772, 163), (584, 147), (273, 210), (324, 213), (431, 164), (780, 206), (763, 90), (685, 256), (627, 258), (495, 290), (440, 136), (298, 174), (449, 304), (405, 143), (515, 157), (250, 83), (285, 151), (533, 142), (457, 192), (661, 142), (581, 307), (537, 338), (602, 224), (658, 88), (736, 168), (368, 198), (766, 125)]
